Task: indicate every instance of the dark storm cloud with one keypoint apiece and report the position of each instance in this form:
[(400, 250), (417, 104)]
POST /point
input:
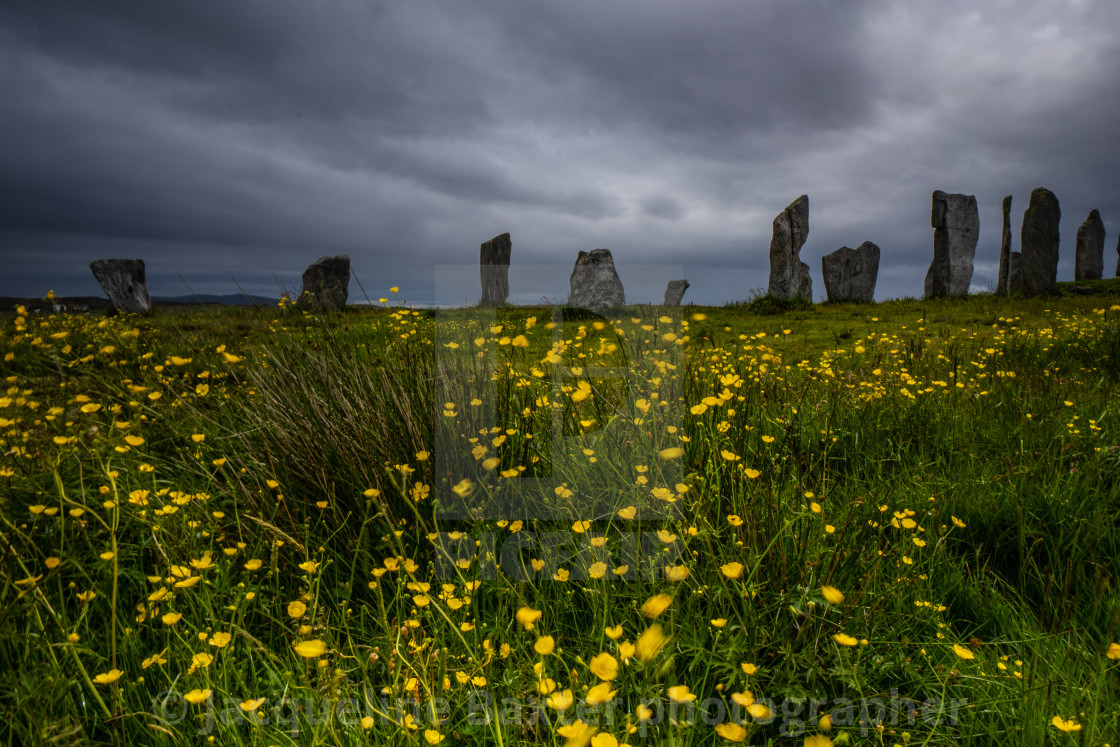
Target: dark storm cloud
[(247, 139)]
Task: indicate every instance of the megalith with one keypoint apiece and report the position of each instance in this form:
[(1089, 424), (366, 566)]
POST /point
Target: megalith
[(1003, 285), (494, 266), (125, 283), (850, 274), (674, 292), (594, 283), (1015, 273), (1038, 241), (1089, 260), (956, 223), (326, 283), (789, 276)]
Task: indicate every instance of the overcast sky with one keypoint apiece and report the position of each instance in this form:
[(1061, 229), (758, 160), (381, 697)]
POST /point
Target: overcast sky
[(239, 141)]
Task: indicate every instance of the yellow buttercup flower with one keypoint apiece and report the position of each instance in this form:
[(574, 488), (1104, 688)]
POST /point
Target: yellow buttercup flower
[(1067, 726), (544, 645), (601, 693), (655, 605), (528, 617), (963, 652), (560, 700), (195, 697), (296, 609), (108, 678), (744, 699), (650, 643), (676, 573), (845, 640), (680, 694), (311, 649), (732, 569), (832, 595), (604, 666), (731, 731)]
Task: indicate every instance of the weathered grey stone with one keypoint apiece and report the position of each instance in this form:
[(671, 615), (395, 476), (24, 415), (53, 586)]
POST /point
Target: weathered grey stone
[(789, 276), (850, 274), (1015, 273), (1039, 241), (125, 283), (674, 292), (594, 282), (494, 265), (1089, 260), (326, 283), (956, 223), (1002, 285)]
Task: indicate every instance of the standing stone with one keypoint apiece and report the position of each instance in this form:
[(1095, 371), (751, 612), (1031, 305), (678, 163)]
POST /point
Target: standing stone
[(850, 274), (675, 292), (1118, 257), (1002, 285), (1089, 260), (494, 265), (1039, 242), (594, 282), (789, 276), (124, 283), (1015, 273), (326, 283), (956, 223)]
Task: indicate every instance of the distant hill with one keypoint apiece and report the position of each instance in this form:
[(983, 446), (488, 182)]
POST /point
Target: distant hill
[(230, 299), (78, 303)]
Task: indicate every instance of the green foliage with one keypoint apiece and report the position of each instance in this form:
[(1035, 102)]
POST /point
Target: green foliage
[(948, 465)]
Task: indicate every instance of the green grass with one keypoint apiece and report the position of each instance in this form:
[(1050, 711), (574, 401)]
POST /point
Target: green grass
[(948, 465)]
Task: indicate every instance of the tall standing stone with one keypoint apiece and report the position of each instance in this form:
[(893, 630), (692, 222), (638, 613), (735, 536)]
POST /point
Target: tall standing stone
[(1089, 260), (1003, 286), (674, 292), (850, 274), (956, 223), (1118, 257), (594, 282), (326, 283), (789, 276), (1015, 273), (125, 283), (1039, 241), (494, 265)]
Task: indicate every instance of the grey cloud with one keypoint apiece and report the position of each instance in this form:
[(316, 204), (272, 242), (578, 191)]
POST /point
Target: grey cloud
[(252, 137)]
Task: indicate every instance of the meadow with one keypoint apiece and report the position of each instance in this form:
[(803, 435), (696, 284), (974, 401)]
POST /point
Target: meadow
[(765, 523)]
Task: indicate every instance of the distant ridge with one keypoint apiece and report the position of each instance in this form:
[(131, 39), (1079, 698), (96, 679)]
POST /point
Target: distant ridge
[(8, 303), (229, 299)]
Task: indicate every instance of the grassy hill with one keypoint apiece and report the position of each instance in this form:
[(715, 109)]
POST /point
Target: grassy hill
[(891, 523)]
